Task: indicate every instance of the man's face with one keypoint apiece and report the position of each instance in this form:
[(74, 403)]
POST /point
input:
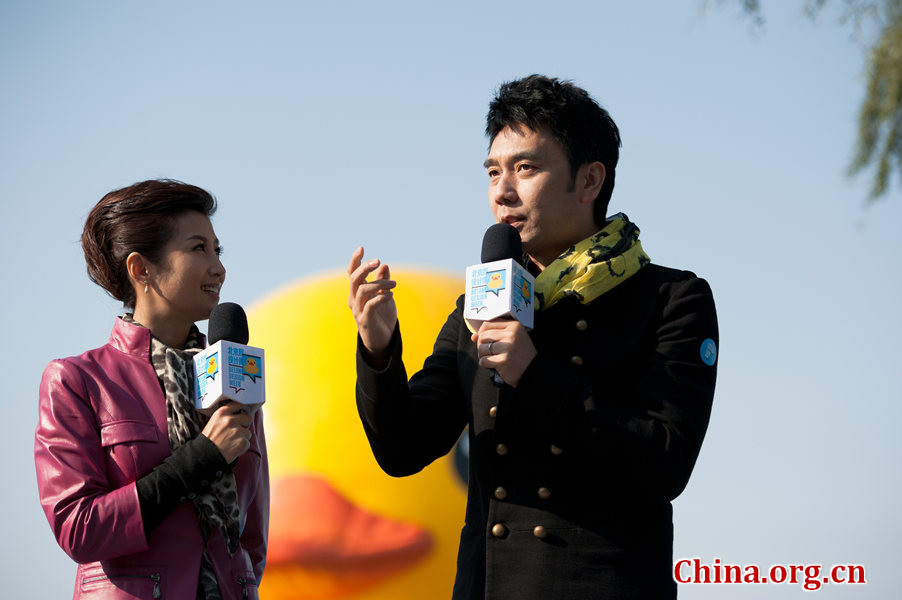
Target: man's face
[(530, 187)]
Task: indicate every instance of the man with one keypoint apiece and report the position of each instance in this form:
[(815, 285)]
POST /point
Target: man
[(575, 458)]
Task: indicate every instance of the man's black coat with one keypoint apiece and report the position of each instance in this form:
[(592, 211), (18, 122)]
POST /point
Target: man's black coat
[(572, 472)]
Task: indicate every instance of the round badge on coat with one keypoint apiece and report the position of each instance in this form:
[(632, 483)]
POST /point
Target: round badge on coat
[(708, 352)]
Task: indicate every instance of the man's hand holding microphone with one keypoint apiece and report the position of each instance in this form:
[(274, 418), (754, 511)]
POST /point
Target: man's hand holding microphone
[(501, 344)]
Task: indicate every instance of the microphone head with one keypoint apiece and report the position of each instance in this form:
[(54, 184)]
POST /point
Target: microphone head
[(502, 241), (228, 322)]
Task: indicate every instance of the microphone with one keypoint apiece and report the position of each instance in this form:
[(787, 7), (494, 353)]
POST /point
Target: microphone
[(228, 369), (228, 322), (502, 241), (500, 287)]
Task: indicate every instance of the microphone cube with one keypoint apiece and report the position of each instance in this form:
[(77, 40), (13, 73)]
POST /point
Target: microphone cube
[(502, 289), (228, 371)]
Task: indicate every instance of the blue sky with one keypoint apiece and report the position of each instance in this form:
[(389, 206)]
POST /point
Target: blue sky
[(327, 126)]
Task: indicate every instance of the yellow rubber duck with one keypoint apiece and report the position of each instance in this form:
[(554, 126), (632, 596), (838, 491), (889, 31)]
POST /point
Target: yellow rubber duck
[(250, 365), (496, 281), (340, 528), (211, 366)]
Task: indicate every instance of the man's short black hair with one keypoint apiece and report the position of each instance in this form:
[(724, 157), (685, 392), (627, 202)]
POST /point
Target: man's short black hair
[(585, 131)]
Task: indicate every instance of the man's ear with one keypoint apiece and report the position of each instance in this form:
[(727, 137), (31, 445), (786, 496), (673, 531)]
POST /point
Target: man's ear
[(591, 177)]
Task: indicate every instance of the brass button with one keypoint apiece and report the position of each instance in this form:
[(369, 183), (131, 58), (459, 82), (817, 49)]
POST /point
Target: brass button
[(582, 324), (500, 493), (493, 412), (498, 530), (555, 450), (576, 360), (544, 493), (540, 532), (501, 449)]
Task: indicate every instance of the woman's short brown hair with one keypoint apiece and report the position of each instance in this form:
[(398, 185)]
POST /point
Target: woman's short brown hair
[(138, 218)]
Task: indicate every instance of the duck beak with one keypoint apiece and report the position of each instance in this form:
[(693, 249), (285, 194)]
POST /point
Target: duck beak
[(322, 545)]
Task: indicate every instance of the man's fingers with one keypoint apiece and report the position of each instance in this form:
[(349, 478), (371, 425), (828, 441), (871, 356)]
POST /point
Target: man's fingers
[(361, 290), (378, 285), (492, 348), (358, 276), (370, 291), (490, 362), (373, 303), (356, 258), (497, 324), (383, 272)]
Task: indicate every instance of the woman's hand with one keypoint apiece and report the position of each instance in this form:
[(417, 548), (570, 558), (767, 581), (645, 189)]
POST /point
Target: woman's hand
[(229, 429)]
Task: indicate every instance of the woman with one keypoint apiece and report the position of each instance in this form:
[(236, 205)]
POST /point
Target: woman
[(152, 499)]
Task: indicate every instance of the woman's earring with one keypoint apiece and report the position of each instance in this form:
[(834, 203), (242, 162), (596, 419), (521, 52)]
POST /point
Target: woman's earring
[(146, 288)]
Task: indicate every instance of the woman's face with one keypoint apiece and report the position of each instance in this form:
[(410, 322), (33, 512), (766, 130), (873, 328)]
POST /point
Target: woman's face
[(187, 279)]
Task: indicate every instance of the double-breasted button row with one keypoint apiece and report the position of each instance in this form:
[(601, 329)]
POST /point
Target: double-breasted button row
[(499, 531), (576, 359), (500, 493)]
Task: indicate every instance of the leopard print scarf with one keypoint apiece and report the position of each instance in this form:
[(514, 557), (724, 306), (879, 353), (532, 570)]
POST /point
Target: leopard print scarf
[(175, 370)]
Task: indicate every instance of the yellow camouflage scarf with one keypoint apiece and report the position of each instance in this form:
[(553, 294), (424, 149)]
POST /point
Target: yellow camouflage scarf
[(594, 266)]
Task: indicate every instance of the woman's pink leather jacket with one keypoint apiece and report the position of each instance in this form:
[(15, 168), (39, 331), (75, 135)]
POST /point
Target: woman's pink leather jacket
[(102, 426)]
